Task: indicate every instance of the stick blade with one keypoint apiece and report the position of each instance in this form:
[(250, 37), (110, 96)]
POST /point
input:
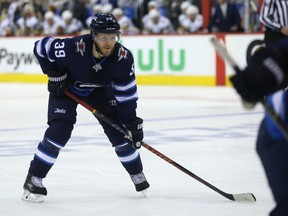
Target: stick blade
[(244, 197)]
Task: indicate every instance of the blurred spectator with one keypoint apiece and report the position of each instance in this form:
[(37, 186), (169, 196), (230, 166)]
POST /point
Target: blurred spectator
[(226, 18), (254, 16), (127, 27), (183, 16), (114, 3), (174, 10), (163, 7), (14, 10), (128, 8), (97, 8), (193, 21), (28, 21), (40, 6), (151, 5), (78, 9), (7, 26), (52, 24), (71, 24), (107, 8), (4, 4), (141, 8), (157, 24), (54, 9), (223, 20)]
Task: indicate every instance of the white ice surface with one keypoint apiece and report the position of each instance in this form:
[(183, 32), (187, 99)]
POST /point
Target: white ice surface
[(204, 129)]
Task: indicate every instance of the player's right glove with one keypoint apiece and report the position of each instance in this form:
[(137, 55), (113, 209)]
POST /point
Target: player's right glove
[(57, 82), (265, 73), (135, 133)]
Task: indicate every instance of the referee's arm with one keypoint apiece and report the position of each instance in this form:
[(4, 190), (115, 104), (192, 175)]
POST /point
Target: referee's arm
[(274, 15)]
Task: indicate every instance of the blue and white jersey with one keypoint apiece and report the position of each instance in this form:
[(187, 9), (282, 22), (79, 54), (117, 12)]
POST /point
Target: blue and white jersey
[(85, 72), (278, 101)]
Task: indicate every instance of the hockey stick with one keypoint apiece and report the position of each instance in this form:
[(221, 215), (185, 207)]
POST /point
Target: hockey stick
[(221, 50), (234, 197)]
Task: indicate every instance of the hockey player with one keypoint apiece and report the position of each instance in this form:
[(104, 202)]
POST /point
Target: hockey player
[(266, 73), (96, 68)]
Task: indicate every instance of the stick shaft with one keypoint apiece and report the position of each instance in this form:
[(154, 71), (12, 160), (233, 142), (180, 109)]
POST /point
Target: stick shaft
[(220, 48), (94, 111), (183, 169), (153, 150)]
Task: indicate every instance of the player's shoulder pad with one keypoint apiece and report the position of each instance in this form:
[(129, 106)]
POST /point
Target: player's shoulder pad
[(80, 44), (122, 53)]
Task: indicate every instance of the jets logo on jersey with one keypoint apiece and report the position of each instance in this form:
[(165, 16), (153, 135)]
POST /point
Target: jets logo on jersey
[(97, 67), (122, 54), (80, 47)]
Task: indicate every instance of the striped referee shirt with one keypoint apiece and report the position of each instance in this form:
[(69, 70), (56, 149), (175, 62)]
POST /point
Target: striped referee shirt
[(274, 14)]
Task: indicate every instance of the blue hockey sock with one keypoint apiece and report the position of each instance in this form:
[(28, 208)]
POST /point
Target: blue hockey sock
[(130, 158), (45, 157)]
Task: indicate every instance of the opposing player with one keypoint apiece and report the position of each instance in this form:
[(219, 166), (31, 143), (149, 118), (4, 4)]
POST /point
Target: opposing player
[(267, 76), (99, 70)]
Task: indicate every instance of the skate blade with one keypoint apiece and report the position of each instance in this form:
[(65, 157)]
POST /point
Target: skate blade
[(144, 193), (30, 197)]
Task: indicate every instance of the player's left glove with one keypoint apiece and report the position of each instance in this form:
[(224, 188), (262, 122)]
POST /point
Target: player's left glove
[(266, 72), (135, 132)]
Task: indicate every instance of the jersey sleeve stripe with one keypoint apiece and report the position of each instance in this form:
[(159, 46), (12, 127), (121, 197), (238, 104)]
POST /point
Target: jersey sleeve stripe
[(38, 49), (47, 48), (124, 88), (126, 98), (43, 47)]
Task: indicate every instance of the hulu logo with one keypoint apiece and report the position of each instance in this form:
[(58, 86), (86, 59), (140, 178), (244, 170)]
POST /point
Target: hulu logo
[(159, 59)]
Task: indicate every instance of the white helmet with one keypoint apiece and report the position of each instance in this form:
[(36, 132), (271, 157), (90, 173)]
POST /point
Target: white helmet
[(67, 15), (117, 12), (107, 8), (154, 13), (184, 5), (48, 15), (192, 10)]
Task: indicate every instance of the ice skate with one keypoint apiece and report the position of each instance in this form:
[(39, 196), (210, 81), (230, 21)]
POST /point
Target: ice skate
[(140, 183), (34, 191)]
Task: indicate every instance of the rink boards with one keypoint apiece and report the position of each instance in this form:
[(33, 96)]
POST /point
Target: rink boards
[(159, 59)]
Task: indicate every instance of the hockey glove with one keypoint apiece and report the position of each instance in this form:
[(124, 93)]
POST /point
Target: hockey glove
[(57, 83), (135, 133), (265, 73)]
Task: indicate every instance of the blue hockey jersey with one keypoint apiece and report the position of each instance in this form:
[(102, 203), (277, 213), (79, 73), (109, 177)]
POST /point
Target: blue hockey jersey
[(85, 72), (278, 100)]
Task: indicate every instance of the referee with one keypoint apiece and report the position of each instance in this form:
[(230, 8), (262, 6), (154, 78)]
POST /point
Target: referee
[(274, 16)]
